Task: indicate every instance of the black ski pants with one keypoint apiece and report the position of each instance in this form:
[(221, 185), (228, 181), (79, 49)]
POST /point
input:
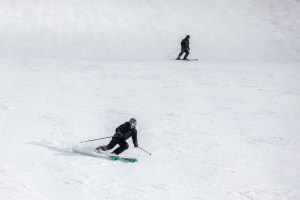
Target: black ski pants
[(184, 50), (116, 140)]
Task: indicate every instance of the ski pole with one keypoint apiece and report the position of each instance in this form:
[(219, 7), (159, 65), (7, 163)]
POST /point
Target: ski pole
[(144, 150), (172, 53), (96, 139)]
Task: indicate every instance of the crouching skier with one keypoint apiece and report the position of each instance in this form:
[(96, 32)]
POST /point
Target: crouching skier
[(123, 132)]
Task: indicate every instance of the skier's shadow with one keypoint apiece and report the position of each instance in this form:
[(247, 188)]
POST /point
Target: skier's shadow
[(67, 152)]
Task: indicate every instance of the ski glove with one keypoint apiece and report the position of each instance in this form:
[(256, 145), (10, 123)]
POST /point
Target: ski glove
[(136, 145)]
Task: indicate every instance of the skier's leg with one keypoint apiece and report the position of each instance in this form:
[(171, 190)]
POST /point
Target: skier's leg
[(123, 146), (111, 145), (180, 54), (187, 52)]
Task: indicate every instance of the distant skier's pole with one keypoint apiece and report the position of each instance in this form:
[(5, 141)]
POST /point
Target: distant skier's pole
[(96, 139), (172, 53), (144, 150)]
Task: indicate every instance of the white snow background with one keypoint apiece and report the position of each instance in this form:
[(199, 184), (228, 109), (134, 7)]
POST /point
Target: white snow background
[(225, 127)]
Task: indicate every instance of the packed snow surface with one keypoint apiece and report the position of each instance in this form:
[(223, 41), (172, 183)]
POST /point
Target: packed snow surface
[(225, 127), (231, 30), (215, 131)]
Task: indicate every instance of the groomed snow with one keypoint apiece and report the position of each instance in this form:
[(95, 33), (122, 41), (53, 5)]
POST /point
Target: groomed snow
[(225, 127), (114, 30), (215, 131)]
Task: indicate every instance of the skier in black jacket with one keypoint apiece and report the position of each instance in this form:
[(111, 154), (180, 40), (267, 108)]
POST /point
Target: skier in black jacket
[(185, 48), (123, 132)]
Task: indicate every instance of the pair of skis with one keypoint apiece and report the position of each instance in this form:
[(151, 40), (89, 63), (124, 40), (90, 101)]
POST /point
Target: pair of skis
[(117, 157), (186, 59), (114, 157)]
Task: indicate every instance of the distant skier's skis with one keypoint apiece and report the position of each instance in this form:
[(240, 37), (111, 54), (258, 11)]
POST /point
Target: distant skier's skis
[(194, 59)]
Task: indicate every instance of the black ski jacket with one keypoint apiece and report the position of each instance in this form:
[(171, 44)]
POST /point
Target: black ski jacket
[(127, 132), (185, 43)]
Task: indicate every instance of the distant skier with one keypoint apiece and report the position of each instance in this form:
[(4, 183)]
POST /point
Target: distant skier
[(123, 132), (185, 48)]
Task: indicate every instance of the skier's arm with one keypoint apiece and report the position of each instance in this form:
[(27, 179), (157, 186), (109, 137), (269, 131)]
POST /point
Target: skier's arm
[(119, 130), (134, 139)]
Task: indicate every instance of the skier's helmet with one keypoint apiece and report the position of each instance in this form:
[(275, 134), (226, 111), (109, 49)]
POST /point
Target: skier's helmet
[(133, 122), (188, 36)]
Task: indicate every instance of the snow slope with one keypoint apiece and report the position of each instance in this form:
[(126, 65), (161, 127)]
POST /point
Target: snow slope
[(225, 127), (249, 30), (215, 131)]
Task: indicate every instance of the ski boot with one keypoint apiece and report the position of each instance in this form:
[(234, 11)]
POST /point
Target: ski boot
[(101, 149)]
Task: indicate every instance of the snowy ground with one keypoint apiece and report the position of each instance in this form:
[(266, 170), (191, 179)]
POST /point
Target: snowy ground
[(216, 131), (114, 30), (223, 128)]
